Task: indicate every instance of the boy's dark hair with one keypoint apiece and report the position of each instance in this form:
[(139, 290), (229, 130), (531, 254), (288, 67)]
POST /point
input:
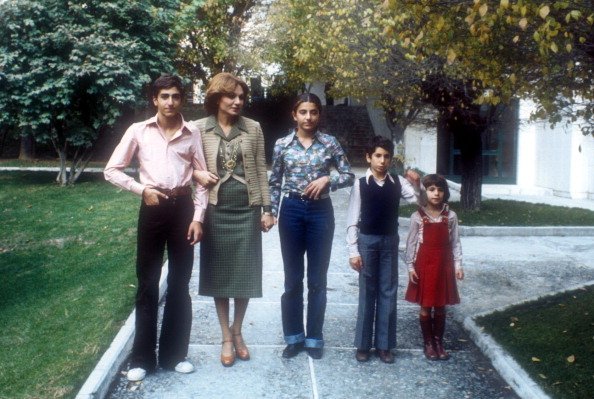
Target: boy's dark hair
[(167, 82), (438, 181), (379, 141)]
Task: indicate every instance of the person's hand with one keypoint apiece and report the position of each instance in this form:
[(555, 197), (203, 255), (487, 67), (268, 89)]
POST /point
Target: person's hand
[(151, 196), (317, 187), (460, 274), (205, 178), (356, 263), (413, 178), (195, 232), (413, 277), (267, 222)]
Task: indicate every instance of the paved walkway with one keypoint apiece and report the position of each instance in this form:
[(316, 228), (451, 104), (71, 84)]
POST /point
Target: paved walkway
[(499, 271)]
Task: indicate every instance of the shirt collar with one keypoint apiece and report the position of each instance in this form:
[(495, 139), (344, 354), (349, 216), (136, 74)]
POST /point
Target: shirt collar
[(316, 136), (368, 175), (211, 123), (185, 127)]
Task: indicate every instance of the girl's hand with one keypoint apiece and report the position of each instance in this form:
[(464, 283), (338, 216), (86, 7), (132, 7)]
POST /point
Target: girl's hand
[(413, 277), (205, 178), (356, 263), (460, 274), (317, 187), (267, 222)]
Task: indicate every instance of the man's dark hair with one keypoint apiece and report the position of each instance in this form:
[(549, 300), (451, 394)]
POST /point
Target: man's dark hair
[(167, 82), (379, 141)]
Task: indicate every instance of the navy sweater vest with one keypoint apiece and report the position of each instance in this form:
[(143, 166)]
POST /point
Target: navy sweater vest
[(379, 206)]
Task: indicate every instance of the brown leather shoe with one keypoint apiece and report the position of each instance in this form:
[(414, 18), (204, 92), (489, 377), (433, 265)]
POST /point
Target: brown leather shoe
[(227, 360), (362, 355), (241, 349), (385, 356)]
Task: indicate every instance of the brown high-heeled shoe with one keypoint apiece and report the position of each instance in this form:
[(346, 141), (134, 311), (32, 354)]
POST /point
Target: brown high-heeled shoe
[(227, 360), (241, 349)]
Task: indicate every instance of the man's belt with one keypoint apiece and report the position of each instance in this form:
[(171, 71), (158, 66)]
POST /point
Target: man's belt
[(176, 191)]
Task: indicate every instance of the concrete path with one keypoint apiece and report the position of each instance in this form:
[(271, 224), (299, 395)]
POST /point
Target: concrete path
[(499, 271)]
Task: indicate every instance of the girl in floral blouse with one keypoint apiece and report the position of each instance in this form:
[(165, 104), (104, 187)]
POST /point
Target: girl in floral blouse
[(304, 159)]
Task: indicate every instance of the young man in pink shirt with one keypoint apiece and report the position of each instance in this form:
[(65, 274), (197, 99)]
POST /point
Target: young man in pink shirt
[(168, 149)]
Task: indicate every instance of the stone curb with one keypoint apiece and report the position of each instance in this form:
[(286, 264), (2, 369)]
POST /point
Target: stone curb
[(518, 231), (97, 384), (507, 367)]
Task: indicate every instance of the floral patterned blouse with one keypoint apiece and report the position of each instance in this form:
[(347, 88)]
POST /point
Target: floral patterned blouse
[(300, 166)]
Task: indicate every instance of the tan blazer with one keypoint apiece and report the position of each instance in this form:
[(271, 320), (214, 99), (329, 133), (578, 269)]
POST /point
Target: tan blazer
[(254, 161)]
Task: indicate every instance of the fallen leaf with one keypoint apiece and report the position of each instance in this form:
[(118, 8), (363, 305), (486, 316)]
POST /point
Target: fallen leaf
[(544, 377), (571, 359), (535, 359)]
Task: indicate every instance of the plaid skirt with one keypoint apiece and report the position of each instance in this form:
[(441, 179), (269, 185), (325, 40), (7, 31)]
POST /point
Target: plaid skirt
[(231, 248)]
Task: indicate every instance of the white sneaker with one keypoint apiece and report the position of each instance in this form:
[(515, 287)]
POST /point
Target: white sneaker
[(136, 374), (184, 367)]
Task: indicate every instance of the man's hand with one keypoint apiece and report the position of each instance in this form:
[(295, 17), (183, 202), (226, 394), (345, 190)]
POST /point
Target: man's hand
[(317, 187), (195, 232), (205, 178), (151, 196), (356, 263)]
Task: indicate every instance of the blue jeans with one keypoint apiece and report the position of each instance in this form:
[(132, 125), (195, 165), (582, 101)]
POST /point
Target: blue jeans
[(305, 227), (378, 282)]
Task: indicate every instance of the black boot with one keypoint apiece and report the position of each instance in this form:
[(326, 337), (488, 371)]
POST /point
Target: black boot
[(427, 330), (438, 330)]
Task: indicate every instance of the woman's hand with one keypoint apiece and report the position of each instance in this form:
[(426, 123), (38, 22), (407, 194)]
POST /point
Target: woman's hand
[(317, 187), (460, 274), (205, 178), (267, 222)]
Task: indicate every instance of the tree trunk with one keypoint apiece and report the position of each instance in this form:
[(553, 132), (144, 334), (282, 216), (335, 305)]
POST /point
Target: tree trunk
[(27, 148), (471, 158)]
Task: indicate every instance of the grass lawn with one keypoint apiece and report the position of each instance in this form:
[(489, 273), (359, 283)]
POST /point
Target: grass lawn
[(516, 213), (66, 260), (553, 340)]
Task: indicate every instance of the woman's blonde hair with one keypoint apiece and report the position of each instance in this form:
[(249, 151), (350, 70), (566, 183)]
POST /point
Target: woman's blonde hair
[(220, 85)]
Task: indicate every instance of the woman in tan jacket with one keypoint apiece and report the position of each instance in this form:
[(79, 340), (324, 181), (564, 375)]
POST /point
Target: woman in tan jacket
[(238, 208)]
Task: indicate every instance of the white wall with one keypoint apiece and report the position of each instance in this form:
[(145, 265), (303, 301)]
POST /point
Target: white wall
[(560, 159), (420, 148)]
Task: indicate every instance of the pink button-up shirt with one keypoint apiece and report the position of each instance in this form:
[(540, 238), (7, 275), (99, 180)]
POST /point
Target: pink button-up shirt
[(163, 163)]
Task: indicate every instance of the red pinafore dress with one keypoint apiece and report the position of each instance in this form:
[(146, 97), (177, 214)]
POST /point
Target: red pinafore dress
[(434, 265)]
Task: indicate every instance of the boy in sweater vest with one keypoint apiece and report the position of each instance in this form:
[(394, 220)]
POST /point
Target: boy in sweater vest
[(372, 239)]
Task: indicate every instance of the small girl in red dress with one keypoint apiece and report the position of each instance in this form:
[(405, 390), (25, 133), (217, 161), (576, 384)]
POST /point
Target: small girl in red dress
[(434, 260)]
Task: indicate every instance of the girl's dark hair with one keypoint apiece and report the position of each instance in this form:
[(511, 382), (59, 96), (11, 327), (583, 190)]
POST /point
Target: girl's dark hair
[(308, 98), (222, 84), (379, 141), (438, 181), (167, 82)]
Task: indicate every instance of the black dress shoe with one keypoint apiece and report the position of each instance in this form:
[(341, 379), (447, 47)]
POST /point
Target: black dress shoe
[(292, 350), (362, 355), (385, 356), (315, 353)]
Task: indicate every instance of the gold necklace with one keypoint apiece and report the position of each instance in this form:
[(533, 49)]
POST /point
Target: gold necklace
[(229, 163)]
